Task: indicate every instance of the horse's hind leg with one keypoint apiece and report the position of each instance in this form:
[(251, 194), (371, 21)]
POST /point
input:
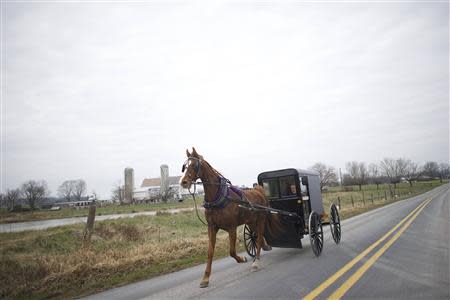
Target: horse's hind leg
[(232, 236), (259, 244), (212, 232)]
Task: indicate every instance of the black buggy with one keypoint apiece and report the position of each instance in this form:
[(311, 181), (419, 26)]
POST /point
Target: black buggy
[(294, 195)]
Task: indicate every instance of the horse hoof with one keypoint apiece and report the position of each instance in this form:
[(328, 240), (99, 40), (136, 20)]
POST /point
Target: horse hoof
[(255, 265), (267, 247), (244, 259), (204, 284)]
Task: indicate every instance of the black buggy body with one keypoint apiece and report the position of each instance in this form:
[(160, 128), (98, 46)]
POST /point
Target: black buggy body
[(294, 195)]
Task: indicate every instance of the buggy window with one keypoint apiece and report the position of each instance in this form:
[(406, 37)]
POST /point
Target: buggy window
[(304, 187), (271, 188), (287, 186)]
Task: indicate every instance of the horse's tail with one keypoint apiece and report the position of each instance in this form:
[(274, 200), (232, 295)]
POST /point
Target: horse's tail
[(261, 190)]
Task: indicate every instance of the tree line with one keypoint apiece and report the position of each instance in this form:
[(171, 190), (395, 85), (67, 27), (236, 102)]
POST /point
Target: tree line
[(34, 192), (388, 170)]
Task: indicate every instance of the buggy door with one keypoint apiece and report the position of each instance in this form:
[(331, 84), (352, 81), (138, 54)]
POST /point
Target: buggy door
[(305, 196), (282, 193)]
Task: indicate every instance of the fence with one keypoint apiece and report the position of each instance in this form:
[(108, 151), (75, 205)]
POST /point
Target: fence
[(364, 198)]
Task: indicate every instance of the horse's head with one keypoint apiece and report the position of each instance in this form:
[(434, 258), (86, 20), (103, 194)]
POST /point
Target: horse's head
[(191, 168)]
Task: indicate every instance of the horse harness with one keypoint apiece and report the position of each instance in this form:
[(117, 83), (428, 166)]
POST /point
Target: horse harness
[(223, 196)]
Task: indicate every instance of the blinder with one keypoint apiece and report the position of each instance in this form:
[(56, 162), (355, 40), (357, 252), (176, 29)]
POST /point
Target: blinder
[(197, 165)]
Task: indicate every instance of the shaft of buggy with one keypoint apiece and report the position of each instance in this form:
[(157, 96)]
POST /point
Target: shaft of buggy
[(257, 207)]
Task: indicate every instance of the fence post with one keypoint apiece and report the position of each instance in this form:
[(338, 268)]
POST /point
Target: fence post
[(371, 195), (89, 224), (339, 202), (364, 200), (353, 204), (385, 195), (159, 234)]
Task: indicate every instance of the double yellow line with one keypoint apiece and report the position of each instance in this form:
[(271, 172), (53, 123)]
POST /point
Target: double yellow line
[(360, 272)]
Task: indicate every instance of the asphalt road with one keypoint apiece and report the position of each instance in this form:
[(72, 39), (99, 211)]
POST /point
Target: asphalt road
[(38, 225), (412, 261)]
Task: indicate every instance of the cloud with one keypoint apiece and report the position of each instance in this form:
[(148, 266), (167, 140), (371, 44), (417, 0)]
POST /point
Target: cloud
[(90, 88)]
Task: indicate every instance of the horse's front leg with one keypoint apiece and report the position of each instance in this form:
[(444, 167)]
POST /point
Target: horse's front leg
[(212, 232), (259, 243), (232, 236)]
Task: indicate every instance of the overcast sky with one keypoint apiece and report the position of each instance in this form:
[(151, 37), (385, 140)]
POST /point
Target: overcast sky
[(91, 88)]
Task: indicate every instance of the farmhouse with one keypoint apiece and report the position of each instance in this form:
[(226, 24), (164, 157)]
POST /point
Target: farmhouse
[(156, 189), (150, 189)]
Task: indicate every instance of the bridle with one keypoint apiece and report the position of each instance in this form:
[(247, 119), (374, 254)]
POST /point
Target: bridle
[(193, 182), (197, 167)]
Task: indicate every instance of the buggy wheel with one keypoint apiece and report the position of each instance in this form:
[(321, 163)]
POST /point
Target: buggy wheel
[(315, 233), (250, 240), (335, 223)]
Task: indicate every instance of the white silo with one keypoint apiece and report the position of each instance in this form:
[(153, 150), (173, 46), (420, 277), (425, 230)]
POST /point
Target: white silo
[(164, 181), (129, 185)]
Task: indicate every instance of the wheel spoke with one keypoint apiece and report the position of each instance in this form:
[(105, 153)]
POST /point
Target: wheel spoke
[(250, 241)]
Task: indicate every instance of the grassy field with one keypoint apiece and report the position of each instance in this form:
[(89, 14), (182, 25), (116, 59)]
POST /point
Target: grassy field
[(13, 217), (355, 201), (53, 263)]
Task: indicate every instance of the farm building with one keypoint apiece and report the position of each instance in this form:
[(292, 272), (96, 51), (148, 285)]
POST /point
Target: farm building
[(151, 189), (154, 189)]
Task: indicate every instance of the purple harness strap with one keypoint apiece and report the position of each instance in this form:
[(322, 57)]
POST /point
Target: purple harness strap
[(222, 197), (236, 190)]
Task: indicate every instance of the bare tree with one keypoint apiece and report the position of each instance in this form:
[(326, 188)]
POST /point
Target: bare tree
[(444, 171), (118, 193), (327, 174), (2, 200), (79, 189), (431, 169), (412, 171), (363, 174), (375, 175), (11, 198), (65, 190), (34, 192), (402, 167), (348, 180), (389, 168), (357, 171)]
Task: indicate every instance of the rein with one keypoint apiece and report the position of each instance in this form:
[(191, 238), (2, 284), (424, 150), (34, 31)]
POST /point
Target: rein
[(195, 203)]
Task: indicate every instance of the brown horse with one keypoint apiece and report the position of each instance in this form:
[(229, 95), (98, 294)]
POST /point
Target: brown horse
[(221, 211)]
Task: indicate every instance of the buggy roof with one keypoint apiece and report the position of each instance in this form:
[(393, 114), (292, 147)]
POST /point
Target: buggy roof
[(286, 172)]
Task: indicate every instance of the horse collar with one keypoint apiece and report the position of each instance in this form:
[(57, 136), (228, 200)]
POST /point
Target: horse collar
[(223, 197)]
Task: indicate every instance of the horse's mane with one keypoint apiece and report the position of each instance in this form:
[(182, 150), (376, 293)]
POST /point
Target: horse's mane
[(212, 168)]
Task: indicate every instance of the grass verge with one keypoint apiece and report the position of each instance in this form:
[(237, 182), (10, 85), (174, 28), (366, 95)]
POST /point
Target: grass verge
[(54, 263)]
